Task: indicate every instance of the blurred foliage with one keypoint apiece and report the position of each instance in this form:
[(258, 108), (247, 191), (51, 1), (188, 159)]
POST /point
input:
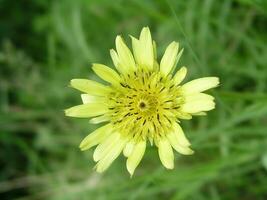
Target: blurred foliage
[(44, 44)]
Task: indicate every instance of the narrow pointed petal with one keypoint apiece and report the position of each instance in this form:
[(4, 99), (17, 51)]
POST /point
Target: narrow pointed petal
[(90, 87), (177, 60), (185, 150), (180, 136), (99, 119), (146, 47), (104, 147), (179, 56), (197, 106), (179, 76), (106, 73), (136, 156), (155, 50), (95, 137), (128, 149), (183, 115), (199, 85), (125, 56), (116, 61), (137, 51), (200, 114), (198, 97), (169, 58), (86, 110), (106, 161), (165, 153), (86, 98)]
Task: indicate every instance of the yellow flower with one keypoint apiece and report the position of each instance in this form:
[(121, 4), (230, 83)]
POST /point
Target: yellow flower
[(142, 101)]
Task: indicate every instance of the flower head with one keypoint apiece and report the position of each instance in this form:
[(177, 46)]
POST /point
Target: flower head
[(142, 101)]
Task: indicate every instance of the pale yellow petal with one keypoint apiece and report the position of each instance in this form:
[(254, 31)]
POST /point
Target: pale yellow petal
[(155, 50), (136, 156), (107, 160), (104, 147), (90, 87), (200, 114), (106, 73), (146, 46), (179, 76), (197, 106), (197, 102), (137, 51), (183, 115), (185, 150), (199, 85), (128, 148), (165, 153), (125, 56), (100, 119), (169, 58), (86, 98), (115, 59), (179, 56), (95, 137), (86, 110), (180, 136), (198, 97)]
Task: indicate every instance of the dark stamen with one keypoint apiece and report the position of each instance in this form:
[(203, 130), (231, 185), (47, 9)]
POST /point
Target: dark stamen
[(142, 105)]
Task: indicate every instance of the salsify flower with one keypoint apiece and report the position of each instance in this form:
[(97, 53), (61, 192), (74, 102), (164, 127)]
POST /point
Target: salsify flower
[(142, 103)]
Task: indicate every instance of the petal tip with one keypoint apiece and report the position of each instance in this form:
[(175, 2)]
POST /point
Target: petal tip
[(131, 171), (67, 112)]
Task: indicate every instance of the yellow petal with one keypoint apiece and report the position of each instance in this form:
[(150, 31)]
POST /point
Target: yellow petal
[(199, 85), (95, 137), (165, 153), (90, 87), (197, 102), (198, 97), (136, 156), (179, 76), (106, 73), (169, 58), (86, 98), (115, 59), (200, 113), (104, 147), (107, 160), (86, 110), (185, 150), (125, 56), (183, 115), (197, 106), (146, 46), (179, 56), (155, 50), (180, 136), (99, 119), (137, 51), (128, 148)]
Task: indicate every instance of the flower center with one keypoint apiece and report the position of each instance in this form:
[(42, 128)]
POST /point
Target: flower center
[(145, 105), (142, 105)]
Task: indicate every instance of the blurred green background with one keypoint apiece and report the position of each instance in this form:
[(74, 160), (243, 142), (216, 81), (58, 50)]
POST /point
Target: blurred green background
[(44, 44)]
